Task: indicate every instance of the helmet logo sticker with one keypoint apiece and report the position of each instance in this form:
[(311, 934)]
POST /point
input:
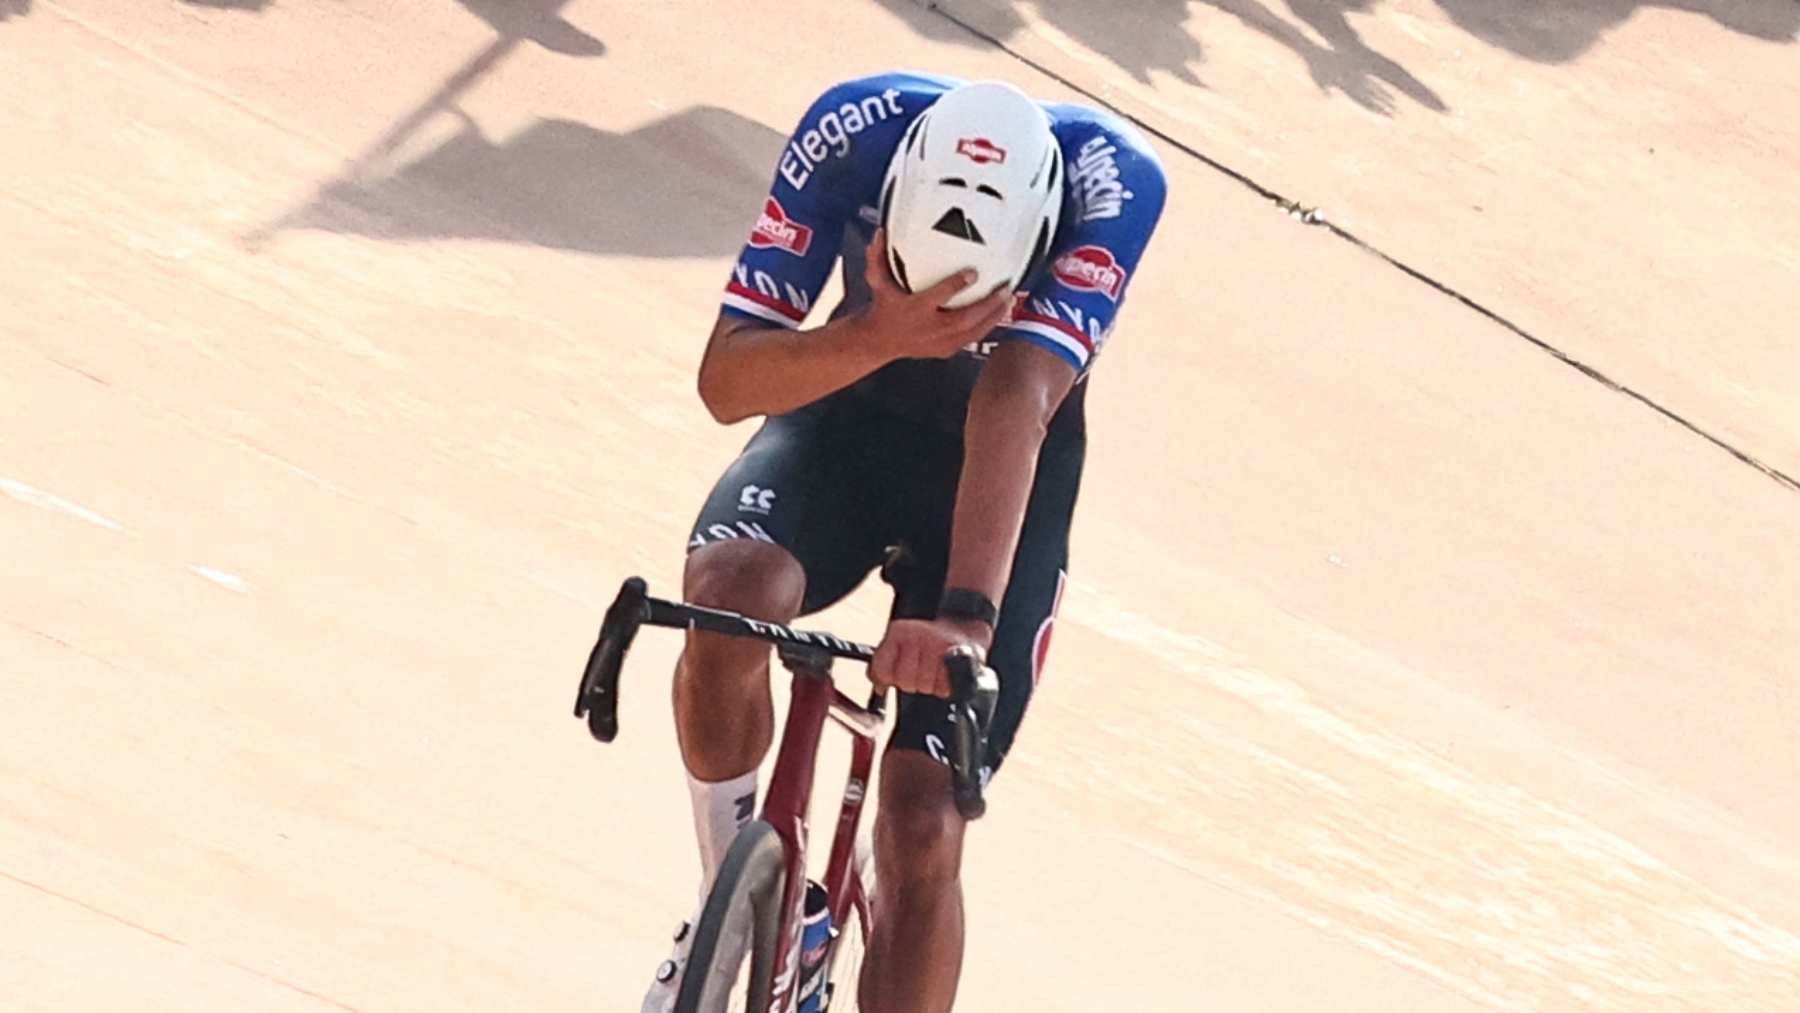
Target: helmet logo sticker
[(981, 151), (979, 189), (955, 223), (776, 231), (1091, 269)]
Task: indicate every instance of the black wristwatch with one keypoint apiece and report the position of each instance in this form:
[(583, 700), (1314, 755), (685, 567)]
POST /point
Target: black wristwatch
[(965, 605)]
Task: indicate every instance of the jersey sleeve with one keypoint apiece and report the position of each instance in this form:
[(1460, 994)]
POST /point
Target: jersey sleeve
[(1117, 190), (818, 182)]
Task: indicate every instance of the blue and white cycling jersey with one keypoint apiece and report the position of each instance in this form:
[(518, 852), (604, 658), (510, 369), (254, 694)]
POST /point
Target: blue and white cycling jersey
[(825, 204)]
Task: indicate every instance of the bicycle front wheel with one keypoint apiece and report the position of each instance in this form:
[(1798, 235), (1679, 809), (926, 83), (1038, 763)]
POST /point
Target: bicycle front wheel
[(852, 942), (732, 964)]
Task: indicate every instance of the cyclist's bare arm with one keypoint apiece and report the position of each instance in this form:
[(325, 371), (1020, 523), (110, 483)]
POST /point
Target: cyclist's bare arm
[(1015, 397), (1018, 392), (753, 368)]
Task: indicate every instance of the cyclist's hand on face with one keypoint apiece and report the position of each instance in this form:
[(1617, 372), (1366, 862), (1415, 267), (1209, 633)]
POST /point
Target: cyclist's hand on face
[(911, 655), (916, 325)]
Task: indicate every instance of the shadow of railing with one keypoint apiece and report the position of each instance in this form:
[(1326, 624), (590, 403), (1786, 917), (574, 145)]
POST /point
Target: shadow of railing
[(1149, 37), (557, 183), (538, 21), (236, 5), (683, 186), (1344, 63), (1559, 31)]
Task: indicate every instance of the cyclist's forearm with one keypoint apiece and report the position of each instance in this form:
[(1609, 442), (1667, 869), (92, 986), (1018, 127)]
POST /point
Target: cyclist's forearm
[(1009, 414), (759, 370), (998, 466)]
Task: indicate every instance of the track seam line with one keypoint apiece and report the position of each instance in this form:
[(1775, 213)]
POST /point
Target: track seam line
[(1305, 216), (174, 941), (60, 642), (1323, 923)]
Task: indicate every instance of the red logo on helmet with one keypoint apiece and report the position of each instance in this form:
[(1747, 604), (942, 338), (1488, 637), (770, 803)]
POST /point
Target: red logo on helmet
[(775, 230), (981, 151), (1091, 269)]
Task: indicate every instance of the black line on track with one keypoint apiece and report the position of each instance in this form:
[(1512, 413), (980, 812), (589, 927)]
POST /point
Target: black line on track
[(1310, 217)]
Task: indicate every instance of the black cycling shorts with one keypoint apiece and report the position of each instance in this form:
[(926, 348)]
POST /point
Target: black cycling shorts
[(842, 481)]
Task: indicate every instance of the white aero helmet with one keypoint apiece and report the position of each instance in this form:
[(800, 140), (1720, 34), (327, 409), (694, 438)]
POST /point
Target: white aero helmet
[(976, 182)]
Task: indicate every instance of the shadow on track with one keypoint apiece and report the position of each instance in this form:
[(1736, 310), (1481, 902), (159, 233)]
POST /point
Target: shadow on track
[(1144, 37), (14, 9), (1559, 31), (236, 5), (538, 21), (1344, 63), (679, 187), (532, 20)]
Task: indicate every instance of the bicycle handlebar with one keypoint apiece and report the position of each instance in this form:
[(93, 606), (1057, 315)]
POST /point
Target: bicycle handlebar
[(974, 687), (974, 692)]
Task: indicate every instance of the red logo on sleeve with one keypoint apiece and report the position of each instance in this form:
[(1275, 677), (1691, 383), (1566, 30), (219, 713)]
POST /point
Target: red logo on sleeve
[(981, 151), (1091, 269), (775, 230)]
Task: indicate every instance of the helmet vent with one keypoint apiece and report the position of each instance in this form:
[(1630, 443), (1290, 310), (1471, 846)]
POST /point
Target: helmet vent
[(1040, 249), (963, 184), (955, 223)]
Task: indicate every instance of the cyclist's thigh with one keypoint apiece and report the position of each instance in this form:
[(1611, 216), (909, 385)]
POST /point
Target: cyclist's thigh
[(1026, 614), (792, 486)]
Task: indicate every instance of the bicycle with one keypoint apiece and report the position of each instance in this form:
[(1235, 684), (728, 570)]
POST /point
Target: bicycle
[(761, 884)]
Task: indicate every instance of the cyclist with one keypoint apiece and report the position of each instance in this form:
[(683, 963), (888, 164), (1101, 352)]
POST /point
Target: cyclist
[(987, 241)]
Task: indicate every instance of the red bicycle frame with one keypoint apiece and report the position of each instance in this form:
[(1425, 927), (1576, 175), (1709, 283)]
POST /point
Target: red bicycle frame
[(814, 698), (808, 655)]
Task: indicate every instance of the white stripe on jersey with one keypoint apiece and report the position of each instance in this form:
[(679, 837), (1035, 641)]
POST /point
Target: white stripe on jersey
[(759, 310), (1055, 335)]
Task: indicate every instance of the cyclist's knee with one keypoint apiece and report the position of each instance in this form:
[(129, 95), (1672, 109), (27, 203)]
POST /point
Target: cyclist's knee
[(754, 578), (918, 831)]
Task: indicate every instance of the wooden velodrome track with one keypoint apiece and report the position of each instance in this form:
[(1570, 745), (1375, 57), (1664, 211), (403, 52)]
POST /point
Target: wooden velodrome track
[(345, 368)]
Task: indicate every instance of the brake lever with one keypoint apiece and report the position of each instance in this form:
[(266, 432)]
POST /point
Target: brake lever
[(974, 695), (598, 698)]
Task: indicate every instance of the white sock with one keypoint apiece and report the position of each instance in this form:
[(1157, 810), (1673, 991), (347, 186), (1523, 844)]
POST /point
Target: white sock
[(721, 808)]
